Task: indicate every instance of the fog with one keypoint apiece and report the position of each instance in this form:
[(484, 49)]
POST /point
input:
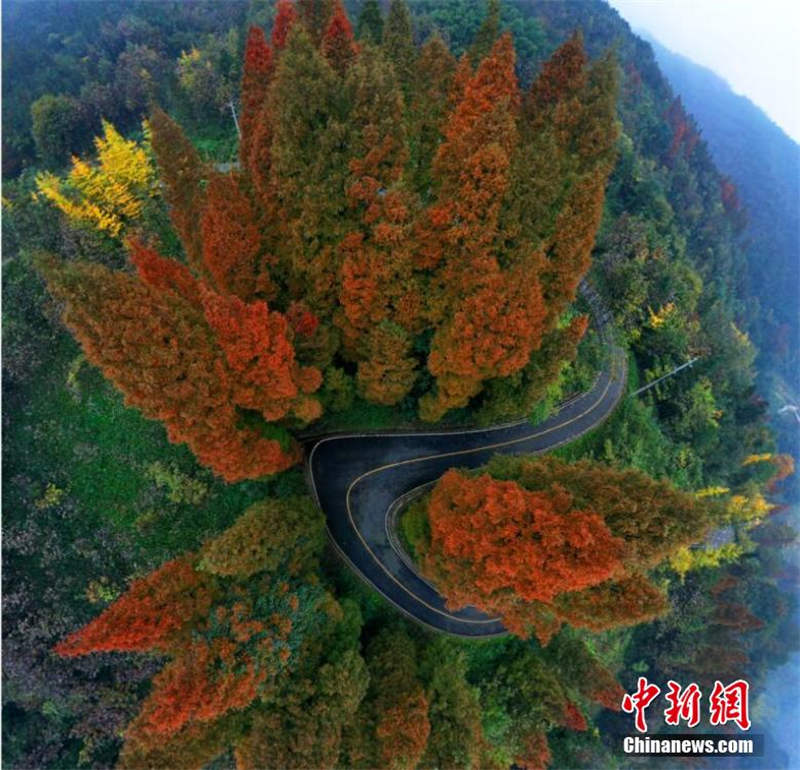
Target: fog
[(753, 45)]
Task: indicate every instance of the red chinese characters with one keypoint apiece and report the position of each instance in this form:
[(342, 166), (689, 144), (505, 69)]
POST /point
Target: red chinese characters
[(645, 694), (683, 704), (726, 704), (729, 704)]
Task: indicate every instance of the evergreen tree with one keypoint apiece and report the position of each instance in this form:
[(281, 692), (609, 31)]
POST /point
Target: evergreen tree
[(379, 295), (392, 726), (487, 34), (258, 66), (149, 336), (305, 729), (662, 519), (55, 123), (433, 74), (532, 700), (285, 16), (370, 23), (232, 241), (338, 43), (181, 173), (398, 41), (315, 15), (456, 739), (267, 535), (310, 154)]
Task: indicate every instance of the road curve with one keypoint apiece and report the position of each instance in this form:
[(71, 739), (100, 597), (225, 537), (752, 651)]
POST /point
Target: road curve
[(359, 480)]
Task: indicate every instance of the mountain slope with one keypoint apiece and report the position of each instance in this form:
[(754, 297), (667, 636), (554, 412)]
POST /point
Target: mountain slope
[(764, 163)]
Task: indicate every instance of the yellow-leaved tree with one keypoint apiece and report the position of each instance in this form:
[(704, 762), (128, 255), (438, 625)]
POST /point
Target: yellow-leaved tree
[(110, 193)]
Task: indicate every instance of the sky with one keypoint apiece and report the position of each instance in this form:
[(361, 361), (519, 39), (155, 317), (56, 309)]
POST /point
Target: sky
[(752, 44)]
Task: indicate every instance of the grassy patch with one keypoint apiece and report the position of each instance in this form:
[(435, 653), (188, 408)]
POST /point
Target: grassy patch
[(414, 528), (74, 435)]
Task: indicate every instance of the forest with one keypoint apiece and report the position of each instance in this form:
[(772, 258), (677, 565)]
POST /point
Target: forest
[(230, 228)]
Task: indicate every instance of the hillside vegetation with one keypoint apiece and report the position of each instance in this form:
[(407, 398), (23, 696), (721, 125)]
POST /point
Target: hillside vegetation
[(226, 224)]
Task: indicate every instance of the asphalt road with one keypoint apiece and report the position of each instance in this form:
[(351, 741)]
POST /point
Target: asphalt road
[(360, 480)]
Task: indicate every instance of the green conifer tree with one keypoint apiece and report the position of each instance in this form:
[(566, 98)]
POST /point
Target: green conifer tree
[(398, 41), (370, 23)]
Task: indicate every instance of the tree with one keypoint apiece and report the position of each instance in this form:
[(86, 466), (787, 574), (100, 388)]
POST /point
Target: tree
[(398, 40), (561, 165), (531, 700), (370, 23), (394, 716), (181, 173), (456, 739), (584, 672), (109, 195), (487, 34), (338, 43), (150, 338), (258, 66), (149, 615), (389, 372), (234, 633), (569, 250), (428, 107), (497, 545), (256, 345), (55, 123), (381, 303), (266, 535), (195, 745), (603, 528), (491, 335), (305, 729), (232, 246), (309, 168), (664, 519), (210, 74), (139, 72), (285, 16), (535, 752), (402, 726), (508, 397), (373, 215), (480, 136), (315, 15)]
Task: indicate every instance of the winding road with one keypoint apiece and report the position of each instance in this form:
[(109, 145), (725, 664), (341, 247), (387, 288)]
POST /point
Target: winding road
[(360, 481)]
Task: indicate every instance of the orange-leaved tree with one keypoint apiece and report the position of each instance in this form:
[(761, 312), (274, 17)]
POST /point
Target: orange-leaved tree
[(541, 542), (164, 342), (243, 624), (418, 228)]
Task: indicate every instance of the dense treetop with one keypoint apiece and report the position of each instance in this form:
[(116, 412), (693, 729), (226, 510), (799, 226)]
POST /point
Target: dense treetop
[(429, 253), (541, 542)]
